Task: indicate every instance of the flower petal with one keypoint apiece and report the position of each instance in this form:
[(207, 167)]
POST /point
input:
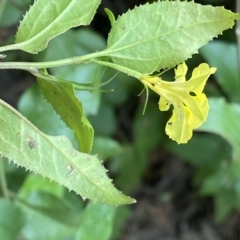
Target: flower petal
[(180, 72), (178, 128), (187, 116), (199, 77), (197, 105), (163, 104), (190, 105)]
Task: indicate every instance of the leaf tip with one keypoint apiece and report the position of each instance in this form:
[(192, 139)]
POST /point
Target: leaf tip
[(110, 15), (133, 201)]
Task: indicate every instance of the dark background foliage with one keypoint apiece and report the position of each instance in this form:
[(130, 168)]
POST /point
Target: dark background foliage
[(170, 182)]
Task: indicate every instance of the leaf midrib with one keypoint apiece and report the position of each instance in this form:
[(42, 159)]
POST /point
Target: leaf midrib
[(24, 119), (160, 36), (49, 26)]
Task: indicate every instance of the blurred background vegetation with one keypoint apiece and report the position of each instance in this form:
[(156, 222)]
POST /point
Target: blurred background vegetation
[(183, 192)]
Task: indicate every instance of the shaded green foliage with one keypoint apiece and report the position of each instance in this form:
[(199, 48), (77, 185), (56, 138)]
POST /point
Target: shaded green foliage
[(45, 210)]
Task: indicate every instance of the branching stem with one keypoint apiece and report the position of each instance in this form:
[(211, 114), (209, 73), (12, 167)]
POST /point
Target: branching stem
[(33, 66)]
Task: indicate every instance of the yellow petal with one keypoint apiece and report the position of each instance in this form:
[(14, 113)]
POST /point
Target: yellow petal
[(199, 77), (178, 128), (186, 117), (180, 72), (189, 103), (198, 106), (163, 104)]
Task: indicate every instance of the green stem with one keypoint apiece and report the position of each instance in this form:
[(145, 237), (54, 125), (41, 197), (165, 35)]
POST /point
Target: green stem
[(92, 57), (120, 68), (33, 66), (3, 180)]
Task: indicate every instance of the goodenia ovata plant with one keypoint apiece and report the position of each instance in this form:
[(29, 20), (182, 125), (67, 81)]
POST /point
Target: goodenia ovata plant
[(142, 41)]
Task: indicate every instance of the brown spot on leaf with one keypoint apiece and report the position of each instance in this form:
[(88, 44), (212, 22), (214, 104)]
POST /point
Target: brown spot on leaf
[(31, 143)]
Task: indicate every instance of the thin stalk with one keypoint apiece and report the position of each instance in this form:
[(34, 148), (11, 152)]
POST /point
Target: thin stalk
[(120, 68), (3, 180), (31, 66)]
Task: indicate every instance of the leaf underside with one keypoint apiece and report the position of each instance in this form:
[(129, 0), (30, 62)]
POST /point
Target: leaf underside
[(62, 97), (164, 34), (55, 158), (47, 19)]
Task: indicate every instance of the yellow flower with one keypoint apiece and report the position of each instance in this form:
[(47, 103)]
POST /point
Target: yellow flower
[(190, 105)]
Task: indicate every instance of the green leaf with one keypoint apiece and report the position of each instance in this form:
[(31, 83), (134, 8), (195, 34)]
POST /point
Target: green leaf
[(121, 216), (8, 9), (215, 182), (223, 119), (55, 158), (37, 110), (215, 148), (164, 34), (12, 11), (224, 203), (35, 183), (62, 97), (52, 207), (223, 56), (96, 223), (40, 226), (47, 19), (77, 43), (11, 220)]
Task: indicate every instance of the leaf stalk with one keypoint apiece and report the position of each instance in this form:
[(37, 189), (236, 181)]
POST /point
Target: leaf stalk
[(31, 66)]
